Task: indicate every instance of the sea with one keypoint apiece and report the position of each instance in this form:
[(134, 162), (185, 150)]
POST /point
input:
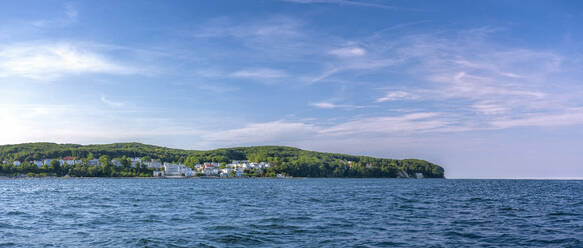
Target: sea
[(310, 212)]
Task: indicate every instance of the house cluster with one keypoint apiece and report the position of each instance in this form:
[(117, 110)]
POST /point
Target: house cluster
[(153, 164), (235, 168), (47, 162)]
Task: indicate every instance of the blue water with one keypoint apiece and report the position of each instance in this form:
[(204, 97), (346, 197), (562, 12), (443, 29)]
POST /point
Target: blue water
[(290, 213)]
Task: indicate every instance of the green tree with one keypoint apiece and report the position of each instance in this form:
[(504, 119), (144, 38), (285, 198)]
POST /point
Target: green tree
[(55, 166)]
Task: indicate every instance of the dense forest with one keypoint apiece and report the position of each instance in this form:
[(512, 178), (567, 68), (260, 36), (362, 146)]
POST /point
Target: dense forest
[(285, 160)]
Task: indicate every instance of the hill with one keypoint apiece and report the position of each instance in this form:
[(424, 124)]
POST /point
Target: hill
[(287, 160)]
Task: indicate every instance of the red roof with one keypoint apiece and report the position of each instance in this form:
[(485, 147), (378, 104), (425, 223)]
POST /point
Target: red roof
[(69, 158)]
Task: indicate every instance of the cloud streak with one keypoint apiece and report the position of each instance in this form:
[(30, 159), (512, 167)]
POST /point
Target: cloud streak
[(344, 3), (54, 60), (259, 73), (111, 103)]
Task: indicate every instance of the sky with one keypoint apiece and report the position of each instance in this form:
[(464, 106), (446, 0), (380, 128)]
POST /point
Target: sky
[(486, 89)]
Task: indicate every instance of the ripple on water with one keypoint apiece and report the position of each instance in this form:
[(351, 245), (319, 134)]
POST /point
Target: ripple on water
[(290, 213)]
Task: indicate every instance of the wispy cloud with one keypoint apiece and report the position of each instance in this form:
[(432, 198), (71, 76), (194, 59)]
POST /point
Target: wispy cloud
[(70, 17), (267, 132), (259, 73), (274, 27), (569, 117), (467, 72), (83, 124), (330, 105), (111, 103), (348, 52), (48, 61), (397, 95), (344, 3), (415, 122), (489, 108)]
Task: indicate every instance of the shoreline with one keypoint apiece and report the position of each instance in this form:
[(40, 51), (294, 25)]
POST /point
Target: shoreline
[(54, 177)]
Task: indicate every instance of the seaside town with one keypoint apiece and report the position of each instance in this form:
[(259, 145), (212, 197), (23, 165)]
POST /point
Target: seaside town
[(237, 168)]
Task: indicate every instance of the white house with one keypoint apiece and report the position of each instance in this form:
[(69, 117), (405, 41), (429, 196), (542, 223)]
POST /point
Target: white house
[(171, 169), (38, 163), (16, 163), (68, 160), (93, 162), (154, 164), (210, 171), (116, 162), (177, 170), (134, 164)]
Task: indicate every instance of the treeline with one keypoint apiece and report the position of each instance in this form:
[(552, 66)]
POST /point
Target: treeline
[(285, 160), (55, 168)]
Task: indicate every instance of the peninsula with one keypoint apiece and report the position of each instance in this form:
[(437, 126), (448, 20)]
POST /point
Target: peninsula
[(141, 160)]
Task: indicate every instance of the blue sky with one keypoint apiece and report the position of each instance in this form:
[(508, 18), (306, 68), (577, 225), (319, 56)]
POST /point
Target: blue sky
[(487, 89)]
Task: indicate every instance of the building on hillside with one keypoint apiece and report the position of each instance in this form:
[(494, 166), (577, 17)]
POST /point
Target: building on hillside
[(93, 162), (210, 171), (47, 161), (154, 164), (225, 172), (38, 163), (171, 169), (69, 160), (177, 170), (16, 163), (116, 162), (134, 164)]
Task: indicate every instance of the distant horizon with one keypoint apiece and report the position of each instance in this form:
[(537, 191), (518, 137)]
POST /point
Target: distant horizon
[(487, 89)]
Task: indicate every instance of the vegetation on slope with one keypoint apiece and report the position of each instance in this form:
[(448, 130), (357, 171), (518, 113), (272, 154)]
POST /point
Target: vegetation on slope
[(286, 160)]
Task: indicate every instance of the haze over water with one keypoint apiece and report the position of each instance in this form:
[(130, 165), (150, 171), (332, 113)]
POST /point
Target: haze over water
[(103, 212)]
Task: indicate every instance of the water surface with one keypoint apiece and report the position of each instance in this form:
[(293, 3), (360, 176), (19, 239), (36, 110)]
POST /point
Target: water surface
[(290, 213)]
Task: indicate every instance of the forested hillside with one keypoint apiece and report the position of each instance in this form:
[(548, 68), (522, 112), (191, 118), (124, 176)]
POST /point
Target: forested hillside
[(287, 160)]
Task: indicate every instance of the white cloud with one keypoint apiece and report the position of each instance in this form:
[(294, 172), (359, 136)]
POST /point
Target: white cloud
[(264, 133), (71, 12), (52, 61), (70, 17), (397, 95), (326, 105), (570, 117), (277, 27), (359, 66), (348, 52), (259, 73), (489, 108), (329, 105), (81, 124), (415, 122), (344, 2), (111, 103)]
